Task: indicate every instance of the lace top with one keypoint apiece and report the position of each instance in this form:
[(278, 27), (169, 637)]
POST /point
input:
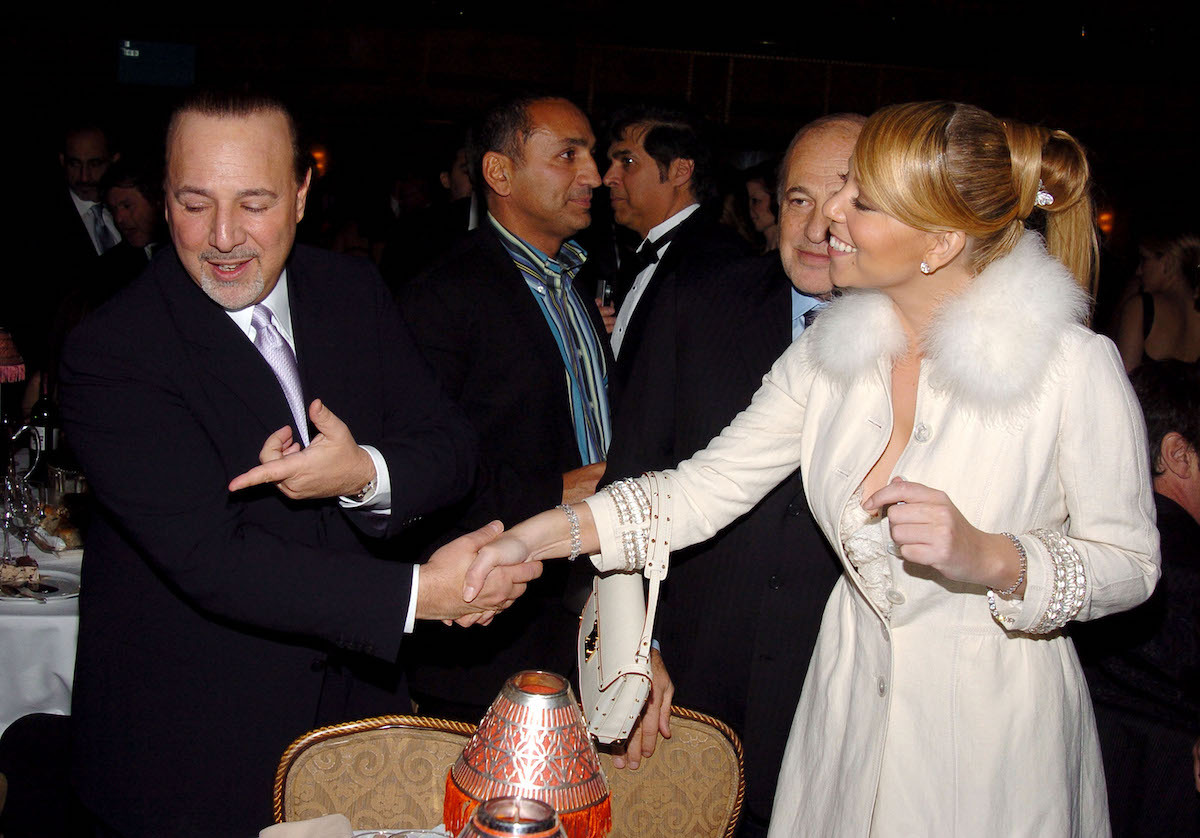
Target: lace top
[(865, 538)]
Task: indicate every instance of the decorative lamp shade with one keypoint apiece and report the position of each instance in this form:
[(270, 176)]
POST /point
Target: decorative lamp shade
[(532, 743), (506, 816), (12, 365)]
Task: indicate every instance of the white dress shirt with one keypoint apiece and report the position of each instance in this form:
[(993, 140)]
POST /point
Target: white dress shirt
[(378, 502), (642, 281), (84, 208)]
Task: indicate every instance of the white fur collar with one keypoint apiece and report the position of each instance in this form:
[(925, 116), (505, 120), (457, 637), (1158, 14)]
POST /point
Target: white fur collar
[(989, 348)]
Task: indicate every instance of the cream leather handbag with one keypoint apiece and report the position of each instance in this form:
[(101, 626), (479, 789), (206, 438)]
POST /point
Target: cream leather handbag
[(615, 631)]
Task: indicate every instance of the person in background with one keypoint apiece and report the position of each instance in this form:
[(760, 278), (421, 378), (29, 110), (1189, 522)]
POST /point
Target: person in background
[(661, 184), (418, 237), (71, 229), (507, 321), (1163, 320), (1143, 666), (763, 583), (132, 191), (760, 183)]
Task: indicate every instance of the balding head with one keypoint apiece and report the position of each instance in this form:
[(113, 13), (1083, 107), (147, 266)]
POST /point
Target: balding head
[(812, 170)]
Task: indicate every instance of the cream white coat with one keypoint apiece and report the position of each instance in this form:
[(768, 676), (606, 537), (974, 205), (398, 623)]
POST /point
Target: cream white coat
[(936, 721)]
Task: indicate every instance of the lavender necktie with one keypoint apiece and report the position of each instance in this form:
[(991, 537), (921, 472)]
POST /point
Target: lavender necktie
[(279, 355)]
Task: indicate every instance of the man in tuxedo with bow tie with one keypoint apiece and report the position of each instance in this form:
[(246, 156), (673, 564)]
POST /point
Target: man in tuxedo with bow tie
[(254, 419), (661, 184), (740, 613)]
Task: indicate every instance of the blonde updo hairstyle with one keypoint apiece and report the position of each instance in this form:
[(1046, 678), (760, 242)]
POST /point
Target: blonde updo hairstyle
[(947, 166)]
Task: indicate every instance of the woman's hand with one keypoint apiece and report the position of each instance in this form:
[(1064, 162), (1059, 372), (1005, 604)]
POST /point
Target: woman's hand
[(504, 551), (928, 529)]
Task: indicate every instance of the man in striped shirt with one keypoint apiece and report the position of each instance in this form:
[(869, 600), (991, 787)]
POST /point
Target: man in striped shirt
[(508, 322)]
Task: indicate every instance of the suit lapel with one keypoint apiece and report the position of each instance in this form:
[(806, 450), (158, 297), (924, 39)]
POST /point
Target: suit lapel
[(526, 311), (664, 273), (223, 353), (765, 330)]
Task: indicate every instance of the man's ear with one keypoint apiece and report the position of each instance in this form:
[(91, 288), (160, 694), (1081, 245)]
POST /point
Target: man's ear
[(302, 195), (680, 172), (944, 248), (497, 172), (1177, 456), (444, 180)]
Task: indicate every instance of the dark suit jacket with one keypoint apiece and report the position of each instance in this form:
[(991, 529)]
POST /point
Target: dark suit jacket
[(66, 260), (739, 613), (482, 330), (216, 628), (700, 244)]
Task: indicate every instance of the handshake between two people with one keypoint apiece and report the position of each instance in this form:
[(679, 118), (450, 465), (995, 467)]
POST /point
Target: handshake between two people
[(441, 594)]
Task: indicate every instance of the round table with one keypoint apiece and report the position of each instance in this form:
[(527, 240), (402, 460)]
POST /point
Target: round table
[(37, 649)]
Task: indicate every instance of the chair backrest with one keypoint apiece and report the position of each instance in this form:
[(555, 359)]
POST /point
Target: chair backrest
[(390, 771), (694, 784), (381, 773)]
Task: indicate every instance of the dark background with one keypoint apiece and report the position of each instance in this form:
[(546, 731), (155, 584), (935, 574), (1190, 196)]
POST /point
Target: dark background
[(388, 92)]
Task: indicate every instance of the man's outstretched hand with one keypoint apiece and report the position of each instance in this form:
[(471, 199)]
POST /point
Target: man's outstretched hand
[(439, 596), (332, 465)]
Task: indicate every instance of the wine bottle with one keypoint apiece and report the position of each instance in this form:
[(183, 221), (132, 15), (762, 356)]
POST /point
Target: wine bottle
[(43, 418)]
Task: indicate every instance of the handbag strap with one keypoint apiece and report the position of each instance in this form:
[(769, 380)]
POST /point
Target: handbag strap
[(658, 551)]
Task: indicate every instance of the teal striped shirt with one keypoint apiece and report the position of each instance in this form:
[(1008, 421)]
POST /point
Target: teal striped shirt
[(550, 280)]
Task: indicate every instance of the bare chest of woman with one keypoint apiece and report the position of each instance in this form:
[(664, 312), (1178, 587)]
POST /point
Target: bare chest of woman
[(905, 375)]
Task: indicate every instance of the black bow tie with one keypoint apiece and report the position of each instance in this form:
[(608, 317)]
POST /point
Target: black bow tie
[(647, 252)]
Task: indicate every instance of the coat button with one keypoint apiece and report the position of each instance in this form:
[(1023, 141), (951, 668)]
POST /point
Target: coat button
[(317, 665), (922, 433), (774, 583), (882, 686), (795, 508), (894, 596)]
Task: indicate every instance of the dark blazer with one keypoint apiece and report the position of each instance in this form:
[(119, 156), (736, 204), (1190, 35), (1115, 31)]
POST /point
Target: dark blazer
[(700, 244), (482, 330), (63, 260), (740, 613), (216, 628)]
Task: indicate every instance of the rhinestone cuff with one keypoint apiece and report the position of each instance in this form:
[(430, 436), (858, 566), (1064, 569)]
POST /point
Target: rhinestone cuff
[(1069, 588), (633, 518)]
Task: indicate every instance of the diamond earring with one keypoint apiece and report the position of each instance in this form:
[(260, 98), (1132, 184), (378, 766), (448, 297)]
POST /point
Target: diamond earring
[(925, 269)]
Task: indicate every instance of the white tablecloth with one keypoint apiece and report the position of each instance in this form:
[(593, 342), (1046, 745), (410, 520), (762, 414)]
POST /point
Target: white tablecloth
[(37, 650)]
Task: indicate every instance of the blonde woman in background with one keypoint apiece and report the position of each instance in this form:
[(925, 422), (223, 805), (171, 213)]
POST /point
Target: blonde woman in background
[(975, 456)]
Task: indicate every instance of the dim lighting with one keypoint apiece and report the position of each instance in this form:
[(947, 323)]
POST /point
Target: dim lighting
[(1104, 220), (320, 158)]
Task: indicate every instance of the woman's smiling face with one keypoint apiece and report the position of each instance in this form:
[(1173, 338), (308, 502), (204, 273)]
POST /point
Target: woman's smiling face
[(867, 247)]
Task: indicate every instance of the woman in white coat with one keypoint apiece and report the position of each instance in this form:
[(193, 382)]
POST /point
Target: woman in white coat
[(974, 454)]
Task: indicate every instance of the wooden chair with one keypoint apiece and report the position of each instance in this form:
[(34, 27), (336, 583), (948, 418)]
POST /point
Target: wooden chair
[(390, 771), (694, 785), (381, 773)]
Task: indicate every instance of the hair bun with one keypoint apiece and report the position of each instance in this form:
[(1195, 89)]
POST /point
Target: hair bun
[(1064, 171)]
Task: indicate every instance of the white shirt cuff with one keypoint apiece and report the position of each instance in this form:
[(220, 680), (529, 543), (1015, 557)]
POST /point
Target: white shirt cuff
[(378, 500), (410, 621)]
